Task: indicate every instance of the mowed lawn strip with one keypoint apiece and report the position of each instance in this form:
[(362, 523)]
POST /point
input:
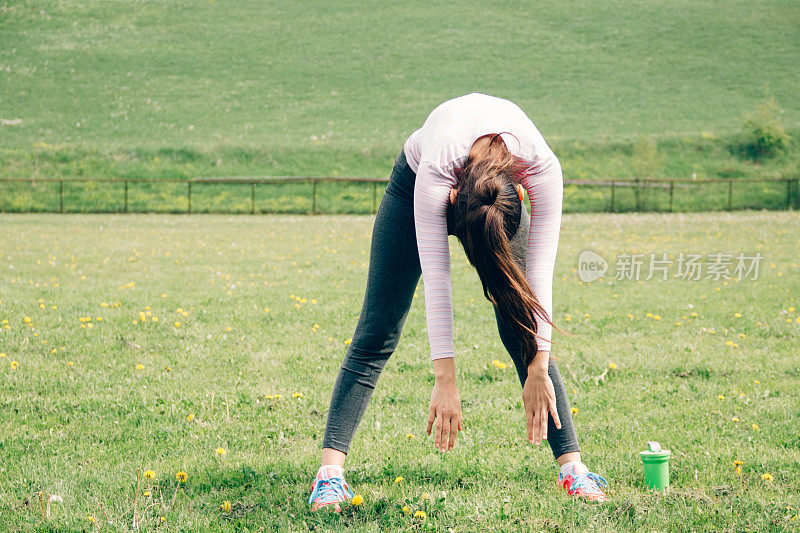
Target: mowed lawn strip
[(198, 353)]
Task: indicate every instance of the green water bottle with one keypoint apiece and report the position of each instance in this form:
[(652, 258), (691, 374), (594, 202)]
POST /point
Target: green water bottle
[(656, 466)]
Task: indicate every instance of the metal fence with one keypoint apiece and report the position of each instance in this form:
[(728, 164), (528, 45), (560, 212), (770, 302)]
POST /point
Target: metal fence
[(38, 197)]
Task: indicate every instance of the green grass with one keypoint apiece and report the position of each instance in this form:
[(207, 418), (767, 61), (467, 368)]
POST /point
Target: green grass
[(80, 420), (210, 87)]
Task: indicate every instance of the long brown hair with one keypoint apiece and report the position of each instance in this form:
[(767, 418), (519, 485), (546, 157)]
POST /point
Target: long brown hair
[(485, 216)]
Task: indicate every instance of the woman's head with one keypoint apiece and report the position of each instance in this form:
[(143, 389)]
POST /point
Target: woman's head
[(484, 215)]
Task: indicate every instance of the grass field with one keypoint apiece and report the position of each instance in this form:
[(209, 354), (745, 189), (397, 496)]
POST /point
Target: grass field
[(208, 345), (210, 88)]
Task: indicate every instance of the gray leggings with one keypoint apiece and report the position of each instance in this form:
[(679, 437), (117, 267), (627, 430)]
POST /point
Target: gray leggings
[(394, 271)]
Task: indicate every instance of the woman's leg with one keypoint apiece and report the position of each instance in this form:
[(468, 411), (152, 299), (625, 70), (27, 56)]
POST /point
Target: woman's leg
[(394, 272), (564, 441)]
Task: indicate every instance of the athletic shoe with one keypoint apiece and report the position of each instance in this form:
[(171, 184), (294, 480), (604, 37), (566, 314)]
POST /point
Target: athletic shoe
[(581, 483), (329, 488)]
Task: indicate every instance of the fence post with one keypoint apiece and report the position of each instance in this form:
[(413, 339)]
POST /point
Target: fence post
[(189, 197), (61, 196), (314, 198), (125, 209), (797, 193), (730, 194), (252, 198), (613, 188), (671, 183), (374, 197)]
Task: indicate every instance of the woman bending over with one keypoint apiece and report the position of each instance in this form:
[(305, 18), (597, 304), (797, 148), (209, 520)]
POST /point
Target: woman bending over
[(463, 173)]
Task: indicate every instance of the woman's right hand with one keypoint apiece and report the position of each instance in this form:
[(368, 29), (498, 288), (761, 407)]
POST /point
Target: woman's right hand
[(445, 406)]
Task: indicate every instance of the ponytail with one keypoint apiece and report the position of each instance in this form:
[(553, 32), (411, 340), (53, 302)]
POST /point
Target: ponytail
[(485, 217)]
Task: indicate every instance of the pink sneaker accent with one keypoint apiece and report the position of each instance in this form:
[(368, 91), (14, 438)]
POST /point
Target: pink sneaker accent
[(329, 489), (583, 484)]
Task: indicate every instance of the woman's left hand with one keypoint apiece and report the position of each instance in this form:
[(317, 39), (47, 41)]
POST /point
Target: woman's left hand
[(539, 399)]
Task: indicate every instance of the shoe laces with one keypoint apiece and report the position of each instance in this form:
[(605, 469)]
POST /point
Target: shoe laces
[(589, 482), (330, 490)]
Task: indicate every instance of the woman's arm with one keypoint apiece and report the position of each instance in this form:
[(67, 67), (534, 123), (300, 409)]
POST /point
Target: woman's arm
[(546, 190), (431, 195)]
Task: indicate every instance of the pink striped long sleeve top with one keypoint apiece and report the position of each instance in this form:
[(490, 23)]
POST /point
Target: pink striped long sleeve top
[(434, 152)]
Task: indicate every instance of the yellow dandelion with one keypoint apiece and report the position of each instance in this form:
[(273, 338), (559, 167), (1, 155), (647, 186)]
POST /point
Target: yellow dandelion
[(737, 315), (229, 328), (2, 355), (149, 474), (649, 315), (70, 363), (735, 419), (190, 417), (738, 471), (398, 479), (656, 317), (768, 478), (348, 341), (162, 519), (154, 319), (146, 494), (420, 515), (410, 436), (737, 462), (221, 451), (226, 506), (755, 427), (612, 366), (297, 395), (358, 499), (177, 324), (181, 476), (406, 510), (720, 397), (140, 366), (91, 519), (568, 318), (574, 410), (499, 364)]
